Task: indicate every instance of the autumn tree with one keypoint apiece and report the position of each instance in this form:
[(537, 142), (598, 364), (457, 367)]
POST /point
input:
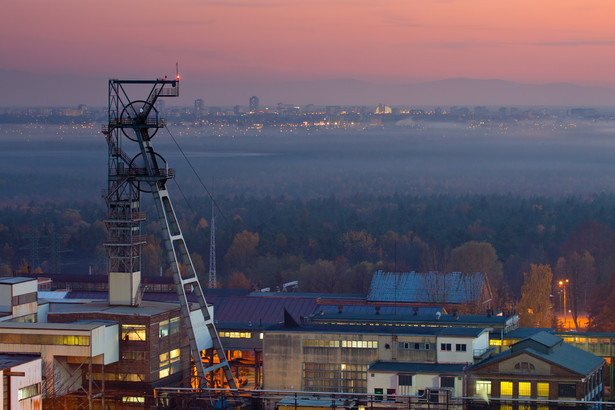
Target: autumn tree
[(472, 257), (601, 308), (358, 278), (5, 271), (318, 277), (579, 271), (358, 245), (535, 308), (238, 280), (242, 250)]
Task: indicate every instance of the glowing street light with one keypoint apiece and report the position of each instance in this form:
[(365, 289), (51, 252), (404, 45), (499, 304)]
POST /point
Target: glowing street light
[(562, 284)]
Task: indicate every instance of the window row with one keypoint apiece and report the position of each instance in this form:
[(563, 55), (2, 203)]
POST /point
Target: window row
[(348, 378), (483, 389), (38, 339), (119, 377), (445, 381), (354, 344), (237, 335), (459, 347), (413, 346)]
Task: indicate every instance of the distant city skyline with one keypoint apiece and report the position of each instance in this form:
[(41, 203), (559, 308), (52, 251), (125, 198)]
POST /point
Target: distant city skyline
[(262, 43)]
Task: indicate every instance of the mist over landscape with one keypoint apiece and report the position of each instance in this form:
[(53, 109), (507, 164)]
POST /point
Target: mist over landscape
[(59, 163)]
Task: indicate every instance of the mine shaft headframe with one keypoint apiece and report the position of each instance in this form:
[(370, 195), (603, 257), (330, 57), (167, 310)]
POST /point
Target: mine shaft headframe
[(138, 121), (137, 114)]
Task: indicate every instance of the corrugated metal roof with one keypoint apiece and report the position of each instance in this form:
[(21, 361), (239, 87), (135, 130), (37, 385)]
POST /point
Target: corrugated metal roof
[(8, 360), (260, 309), (431, 287), (383, 310)]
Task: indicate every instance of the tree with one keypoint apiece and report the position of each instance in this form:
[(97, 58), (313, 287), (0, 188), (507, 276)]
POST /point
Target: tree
[(601, 307), (474, 257), (5, 271), (319, 277), (535, 307), (242, 250), (579, 271), (239, 281)]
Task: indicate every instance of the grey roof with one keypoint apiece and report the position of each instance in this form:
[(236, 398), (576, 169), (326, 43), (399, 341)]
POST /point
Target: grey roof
[(524, 332), (543, 342), (378, 329), (417, 367), (146, 308), (12, 281), (433, 319), (431, 287), (382, 310), (76, 326), (551, 349), (8, 360), (261, 309)]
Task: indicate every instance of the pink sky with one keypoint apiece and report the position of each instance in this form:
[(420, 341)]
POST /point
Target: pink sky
[(408, 40)]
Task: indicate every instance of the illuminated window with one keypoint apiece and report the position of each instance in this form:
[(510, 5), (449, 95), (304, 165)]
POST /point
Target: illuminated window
[(355, 344), (525, 389), (174, 325), (133, 332), (130, 377), (324, 377), (506, 388), (42, 339), (133, 355), (542, 389), (133, 399), (163, 328), (169, 363), (483, 388), (29, 391)]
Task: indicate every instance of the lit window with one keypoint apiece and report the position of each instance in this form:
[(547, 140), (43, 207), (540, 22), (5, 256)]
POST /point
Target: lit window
[(483, 388), (174, 325), (542, 389), (163, 328), (133, 332), (29, 391), (525, 389), (506, 388), (133, 399)]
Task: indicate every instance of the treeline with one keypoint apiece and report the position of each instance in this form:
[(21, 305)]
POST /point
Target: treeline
[(335, 244)]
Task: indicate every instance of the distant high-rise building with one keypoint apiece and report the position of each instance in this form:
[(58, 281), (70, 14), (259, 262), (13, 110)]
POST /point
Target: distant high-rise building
[(253, 103), (199, 107)]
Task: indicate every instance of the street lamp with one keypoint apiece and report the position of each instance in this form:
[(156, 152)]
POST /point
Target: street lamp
[(562, 284)]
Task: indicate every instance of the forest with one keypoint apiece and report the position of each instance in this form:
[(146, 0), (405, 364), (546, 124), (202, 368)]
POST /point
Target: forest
[(336, 244)]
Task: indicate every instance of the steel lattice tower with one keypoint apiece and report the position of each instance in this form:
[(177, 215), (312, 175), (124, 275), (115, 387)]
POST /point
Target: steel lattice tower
[(131, 126), (212, 248)]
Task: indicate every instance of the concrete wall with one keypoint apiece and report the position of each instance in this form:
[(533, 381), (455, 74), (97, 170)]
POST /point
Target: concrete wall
[(6, 298), (454, 356), (32, 376), (384, 381)]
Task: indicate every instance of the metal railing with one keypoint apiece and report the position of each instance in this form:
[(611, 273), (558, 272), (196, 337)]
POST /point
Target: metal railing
[(178, 398)]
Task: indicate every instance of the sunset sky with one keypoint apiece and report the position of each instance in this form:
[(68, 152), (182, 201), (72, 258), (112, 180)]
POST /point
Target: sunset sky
[(271, 40)]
